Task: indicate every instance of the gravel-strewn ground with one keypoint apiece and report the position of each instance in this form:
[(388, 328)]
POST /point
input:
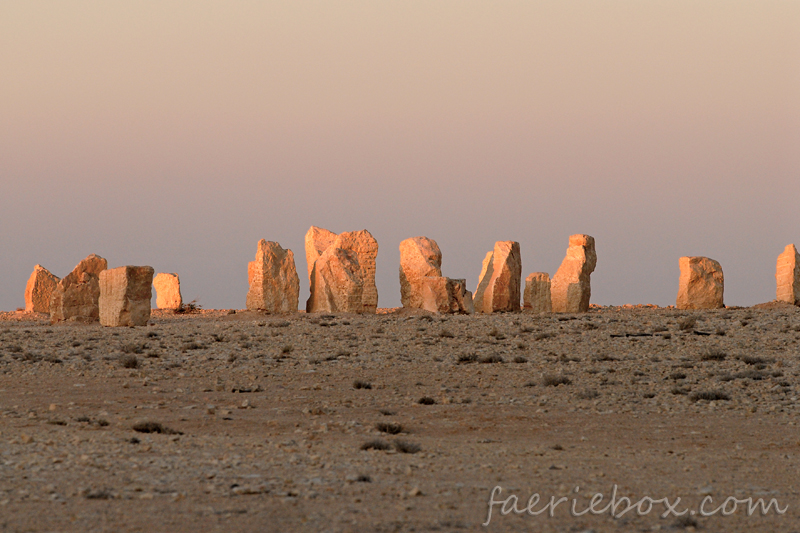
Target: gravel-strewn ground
[(264, 418)]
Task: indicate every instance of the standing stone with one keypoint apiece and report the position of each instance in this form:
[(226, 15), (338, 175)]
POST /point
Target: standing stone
[(787, 276), (336, 285), (570, 288), (701, 284), (39, 290), (537, 293), (274, 284), (446, 295), (125, 294), (76, 296), (365, 247), (499, 282), (168, 291), (420, 257)]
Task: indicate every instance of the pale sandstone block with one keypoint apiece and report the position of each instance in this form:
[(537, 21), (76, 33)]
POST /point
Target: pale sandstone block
[(125, 294), (336, 285), (570, 288), (537, 293), (39, 290), (420, 257), (787, 276), (362, 243), (76, 295), (274, 284), (701, 284), (499, 285), (168, 291), (446, 295)]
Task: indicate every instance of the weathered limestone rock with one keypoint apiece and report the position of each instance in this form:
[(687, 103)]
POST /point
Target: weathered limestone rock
[(446, 295), (168, 291), (701, 284), (125, 294), (787, 276), (336, 285), (39, 290), (274, 284), (499, 282), (420, 258), (537, 293), (76, 296), (362, 243), (570, 288)]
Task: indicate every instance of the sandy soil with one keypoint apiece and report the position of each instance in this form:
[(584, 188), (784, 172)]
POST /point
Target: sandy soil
[(263, 420)]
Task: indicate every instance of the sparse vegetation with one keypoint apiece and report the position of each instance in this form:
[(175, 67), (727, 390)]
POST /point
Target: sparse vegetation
[(493, 358), (713, 395), (376, 444), (426, 400), (687, 323), (154, 427), (712, 354), (552, 380), (359, 384), (467, 358), (129, 361), (392, 428), (403, 446)]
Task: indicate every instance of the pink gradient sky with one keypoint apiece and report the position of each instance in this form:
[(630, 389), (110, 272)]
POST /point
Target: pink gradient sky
[(178, 134)]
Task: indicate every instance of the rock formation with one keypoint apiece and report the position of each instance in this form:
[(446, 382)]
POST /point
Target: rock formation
[(125, 294), (39, 290), (701, 284), (336, 284), (537, 293), (168, 291), (499, 282), (420, 257), (570, 288), (365, 247), (274, 284), (787, 276), (446, 295), (76, 296)]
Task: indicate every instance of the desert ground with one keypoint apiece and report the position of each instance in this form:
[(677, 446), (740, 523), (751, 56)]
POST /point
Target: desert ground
[(239, 421)]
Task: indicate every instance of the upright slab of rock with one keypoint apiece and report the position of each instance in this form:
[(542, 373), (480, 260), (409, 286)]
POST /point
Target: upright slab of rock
[(499, 282), (570, 288), (537, 293), (168, 291), (701, 284), (125, 294), (787, 276), (362, 244), (422, 285), (274, 284), (39, 290), (76, 295), (336, 284)]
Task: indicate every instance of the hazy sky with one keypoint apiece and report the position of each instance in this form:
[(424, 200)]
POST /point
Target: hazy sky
[(178, 134)]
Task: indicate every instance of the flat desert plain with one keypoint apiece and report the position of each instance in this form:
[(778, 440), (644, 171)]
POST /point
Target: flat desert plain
[(222, 421)]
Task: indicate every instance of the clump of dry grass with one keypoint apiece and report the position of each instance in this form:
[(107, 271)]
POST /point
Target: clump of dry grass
[(687, 323), (392, 428), (403, 446), (154, 427), (129, 361), (490, 359), (711, 396), (426, 400), (376, 444), (359, 384), (713, 354), (552, 380)]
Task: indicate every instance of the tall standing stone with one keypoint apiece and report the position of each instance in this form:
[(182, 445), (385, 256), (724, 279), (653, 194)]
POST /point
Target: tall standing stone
[(537, 293), (570, 288), (336, 285), (499, 282), (39, 290), (361, 243), (125, 295), (787, 276), (274, 284), (701, 284), (420, 257), (168, 291), (76, 295)]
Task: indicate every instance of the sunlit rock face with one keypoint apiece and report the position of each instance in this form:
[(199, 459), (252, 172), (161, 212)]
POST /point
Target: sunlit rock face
[(446, 295), (362, 244), (168, 291), (536, 297), (499, 282), (125, 294), (787, 276), (336, 285), (701, 284), (274, 284), (420, 257), (76, 295), (39, 290), (570, 288)]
